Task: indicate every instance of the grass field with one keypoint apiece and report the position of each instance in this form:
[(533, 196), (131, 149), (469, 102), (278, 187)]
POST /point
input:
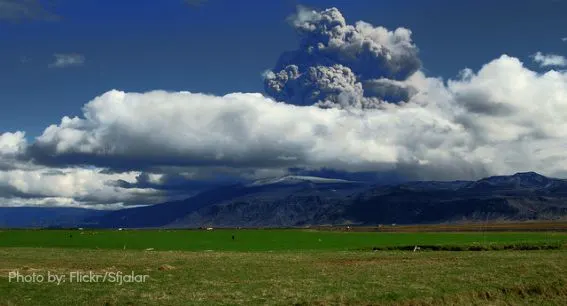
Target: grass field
[(280, 267), (491, 226), (264, 240)]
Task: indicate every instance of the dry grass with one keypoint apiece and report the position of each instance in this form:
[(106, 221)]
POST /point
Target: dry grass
[(288, 278)]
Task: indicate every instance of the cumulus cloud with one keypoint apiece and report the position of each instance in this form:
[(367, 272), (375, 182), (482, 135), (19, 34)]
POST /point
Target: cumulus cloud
[(67, 60), (72, 187), (342, 65), (482, 123), (236, 130), (12, 146), (12, 143), (26, 183), (21, 10), (547, 60)]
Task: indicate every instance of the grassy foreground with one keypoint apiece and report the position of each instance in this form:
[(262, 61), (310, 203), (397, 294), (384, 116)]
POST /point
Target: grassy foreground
[(281, 267), (289, 278)]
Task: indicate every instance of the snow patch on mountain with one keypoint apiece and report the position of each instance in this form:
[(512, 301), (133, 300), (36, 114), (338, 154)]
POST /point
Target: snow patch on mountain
[(296, 179)]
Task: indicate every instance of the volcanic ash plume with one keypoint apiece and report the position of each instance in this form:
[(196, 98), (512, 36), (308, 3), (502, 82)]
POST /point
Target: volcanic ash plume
[(341, 65)]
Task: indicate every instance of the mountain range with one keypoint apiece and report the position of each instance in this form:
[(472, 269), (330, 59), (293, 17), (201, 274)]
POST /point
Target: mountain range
[(306, 200)]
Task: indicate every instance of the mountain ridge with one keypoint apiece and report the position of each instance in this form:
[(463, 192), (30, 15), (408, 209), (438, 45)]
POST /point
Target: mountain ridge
[(310, 200)]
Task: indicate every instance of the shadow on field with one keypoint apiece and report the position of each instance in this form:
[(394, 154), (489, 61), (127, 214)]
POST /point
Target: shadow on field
[(463, 248)]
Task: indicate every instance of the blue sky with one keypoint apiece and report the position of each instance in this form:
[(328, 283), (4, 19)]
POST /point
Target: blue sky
[(223, 46), (115, 103)]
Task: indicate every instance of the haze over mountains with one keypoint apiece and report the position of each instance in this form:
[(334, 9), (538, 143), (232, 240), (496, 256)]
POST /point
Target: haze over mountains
[(304, 200)]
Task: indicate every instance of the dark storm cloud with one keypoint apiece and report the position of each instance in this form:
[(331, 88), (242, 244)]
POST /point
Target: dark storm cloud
[(12, 192), (170, 182), (388, 90), (478, 102), (274, 157)]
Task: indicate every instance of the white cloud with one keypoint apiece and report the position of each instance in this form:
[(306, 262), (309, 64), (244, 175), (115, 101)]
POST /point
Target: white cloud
[(67, 60), (60, 202), (547, 60), (237, 129), (564, 39), (71, 187), (12, 143), (23, 182), (503, 119)]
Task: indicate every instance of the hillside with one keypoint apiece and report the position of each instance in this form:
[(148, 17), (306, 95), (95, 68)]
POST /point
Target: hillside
[(298, 201), (304, 200)]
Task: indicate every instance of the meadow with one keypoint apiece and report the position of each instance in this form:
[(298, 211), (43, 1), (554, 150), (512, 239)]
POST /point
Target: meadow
[(268, 239), (284, 267)]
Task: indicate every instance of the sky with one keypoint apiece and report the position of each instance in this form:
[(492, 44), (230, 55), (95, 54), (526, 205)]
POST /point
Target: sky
[(110, 103)]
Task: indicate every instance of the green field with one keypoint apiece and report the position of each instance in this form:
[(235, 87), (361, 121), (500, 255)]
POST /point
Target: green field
[(281, 267), (263, 240)]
